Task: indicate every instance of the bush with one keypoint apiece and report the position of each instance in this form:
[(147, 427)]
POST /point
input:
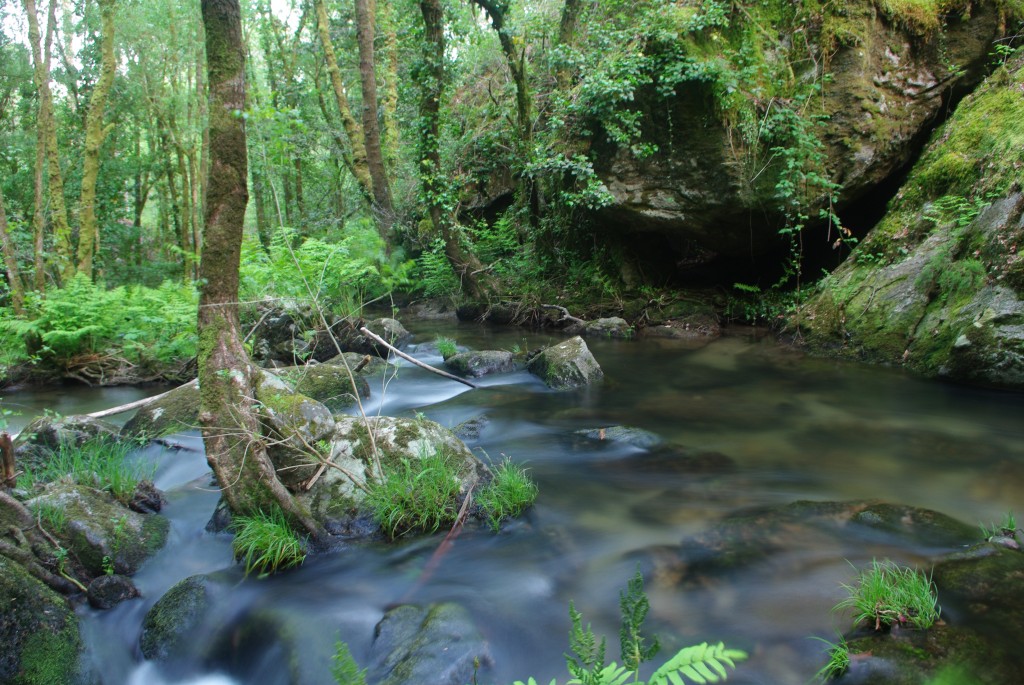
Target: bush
[(415, 495), (266, 543), (508, 495)]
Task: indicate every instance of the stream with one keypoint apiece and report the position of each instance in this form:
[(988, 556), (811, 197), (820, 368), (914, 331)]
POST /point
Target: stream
[(795, 428)]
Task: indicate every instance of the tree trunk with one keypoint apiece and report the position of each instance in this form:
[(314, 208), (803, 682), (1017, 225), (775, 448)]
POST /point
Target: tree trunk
[(228, 412), (567, 37), (11, 262), (359, 165), (389, 113), (48, 130), (95, 133), (39, 213), (366, 14), (465, 263)]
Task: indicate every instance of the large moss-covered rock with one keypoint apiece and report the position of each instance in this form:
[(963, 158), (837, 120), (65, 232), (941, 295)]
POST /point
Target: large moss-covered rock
[(97, 528), (44, 436), (330, 384), (475, 364), (438, 644), (938, 285), (38, 630), (566, 365), (169, 627), (176, 411), (334, 499)]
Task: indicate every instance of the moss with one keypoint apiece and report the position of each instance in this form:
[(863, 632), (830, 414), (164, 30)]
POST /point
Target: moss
[(48, 658)]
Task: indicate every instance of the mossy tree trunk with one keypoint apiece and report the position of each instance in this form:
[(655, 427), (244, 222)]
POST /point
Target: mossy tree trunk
[(389, 111), (95, 134), (228, 411), (14, 281), (464, 262)]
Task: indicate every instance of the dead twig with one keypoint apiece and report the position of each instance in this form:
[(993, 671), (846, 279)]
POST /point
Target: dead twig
[(365, 331)]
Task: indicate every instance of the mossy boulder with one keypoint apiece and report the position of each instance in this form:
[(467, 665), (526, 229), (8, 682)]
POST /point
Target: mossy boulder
[(438, 644), (44, 436), (98, 527), (938, 285), (329, 384), (609, 327), (175, 412), (38, 630), (474, 364), (566, 366), (169, 629), (985, 584), (334, 498), (367, 365)]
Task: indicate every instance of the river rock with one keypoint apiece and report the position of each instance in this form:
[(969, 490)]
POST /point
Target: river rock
[(334, 499), (438, 644), (390, 330), (367, 365), (170, 625), (175, 412), (476, 364), (986, 583), (44, 436), (98, 527), (628, 435), (106, 592), (566, 366), (329, 384), (611, 327), (38, 630), (298, 425), (289, 333)]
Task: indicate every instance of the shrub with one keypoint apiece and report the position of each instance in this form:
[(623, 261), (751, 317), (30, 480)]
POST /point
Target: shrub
[(415, 495), (508, 495), (887, 594), (266, 543)]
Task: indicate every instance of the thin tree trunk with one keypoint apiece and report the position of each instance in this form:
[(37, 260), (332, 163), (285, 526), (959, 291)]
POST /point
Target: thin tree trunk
[(389, 113), (366, 13), (359, 165), (567, 36), (48, 129), (465, 264), (227, 379), (39, 213), (11, 262), (95, 133)]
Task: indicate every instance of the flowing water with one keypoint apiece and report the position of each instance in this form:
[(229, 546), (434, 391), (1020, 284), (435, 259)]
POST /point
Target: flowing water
[(796, 428)]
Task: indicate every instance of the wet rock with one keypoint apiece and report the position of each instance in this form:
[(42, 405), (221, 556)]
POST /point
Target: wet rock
[(169, 627), (985, 585), (476, 364), (100, 530), (298, 424), (334, 498), (629, 435), (38, 630), (44, 436), (176, 411), (389, 329), (566, 366), (438, 644), (329, 384), (360, 364), (611, 327), (292, 333), (470, 430), (106, 592)]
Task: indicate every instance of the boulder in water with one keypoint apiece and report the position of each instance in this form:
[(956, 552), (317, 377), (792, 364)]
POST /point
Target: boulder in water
[(566, 366), (476, 364)]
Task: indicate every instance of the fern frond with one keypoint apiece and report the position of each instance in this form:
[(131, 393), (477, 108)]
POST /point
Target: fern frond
[(701, 664), (531, 681)]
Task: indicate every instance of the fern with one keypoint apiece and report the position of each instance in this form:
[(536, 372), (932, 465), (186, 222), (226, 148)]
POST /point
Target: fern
[(633, 607), (587, 659), (345, 669), (701, 663)]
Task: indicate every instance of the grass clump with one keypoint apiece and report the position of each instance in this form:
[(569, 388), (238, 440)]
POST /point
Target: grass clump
[(510, 493), (101, 463), (344, 667), (446, 346), (266, 543), (1007, 527), (887, 594), (838, 660), (415, 495)]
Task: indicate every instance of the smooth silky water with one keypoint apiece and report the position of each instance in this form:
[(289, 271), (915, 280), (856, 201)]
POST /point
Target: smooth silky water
[(796, 427)]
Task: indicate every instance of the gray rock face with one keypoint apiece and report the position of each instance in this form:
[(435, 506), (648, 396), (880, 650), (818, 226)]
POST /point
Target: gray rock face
[(482, 363), (436, 644), (334, 499), (389, 329), (566, 365)]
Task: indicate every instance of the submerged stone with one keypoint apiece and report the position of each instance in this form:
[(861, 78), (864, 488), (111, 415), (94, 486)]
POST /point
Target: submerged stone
[(106, 592)]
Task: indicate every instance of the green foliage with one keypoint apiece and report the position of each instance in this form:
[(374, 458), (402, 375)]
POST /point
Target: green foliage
[(344, 667), (510, 493), (436, 276), (446, 346), (1007, 527), (51, 516), (838, 660), (415, 495), (138, 323), (266, 543), (700, 664), (99, 463), (888, 594)]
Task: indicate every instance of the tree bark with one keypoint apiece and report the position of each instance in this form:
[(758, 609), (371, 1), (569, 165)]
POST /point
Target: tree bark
[(227, 379), (465, 263), (14, 281), (366, 11), (95, 133), (389, 111), (359, 165), (48, 130), (567, 36)]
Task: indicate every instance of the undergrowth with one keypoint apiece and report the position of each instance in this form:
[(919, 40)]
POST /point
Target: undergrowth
[(99, 463), (266, 543)]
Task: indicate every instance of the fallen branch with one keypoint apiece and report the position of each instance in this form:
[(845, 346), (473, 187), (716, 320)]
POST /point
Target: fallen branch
[(415, 361), (566, 316), (128, 407), (435, 559)]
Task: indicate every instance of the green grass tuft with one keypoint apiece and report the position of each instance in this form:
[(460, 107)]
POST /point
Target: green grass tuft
[(102, 464), (446, 346), (415, 495), (510, 493), (266, 543), (838, 659), (887, 594)]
